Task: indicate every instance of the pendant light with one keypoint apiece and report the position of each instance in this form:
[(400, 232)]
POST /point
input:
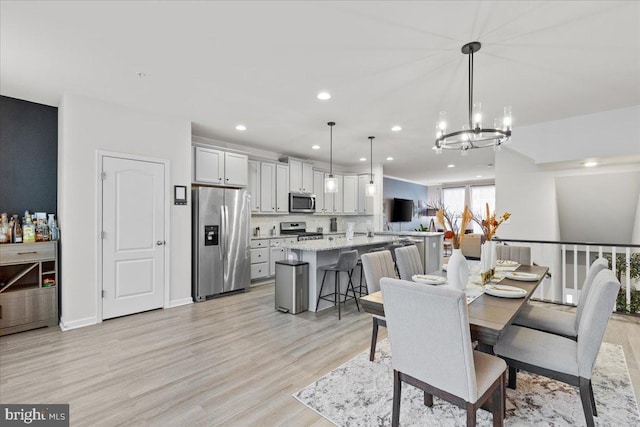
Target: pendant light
[(330, 184), (371, 187)]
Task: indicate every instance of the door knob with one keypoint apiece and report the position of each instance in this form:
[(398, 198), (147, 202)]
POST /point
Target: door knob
[(160, 242)]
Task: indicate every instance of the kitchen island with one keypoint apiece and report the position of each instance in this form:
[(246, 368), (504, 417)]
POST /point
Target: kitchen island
[(429, 244), (326, 252)]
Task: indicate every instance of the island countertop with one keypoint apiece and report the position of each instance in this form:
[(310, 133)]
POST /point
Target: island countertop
[(410, 233), (339, 243)]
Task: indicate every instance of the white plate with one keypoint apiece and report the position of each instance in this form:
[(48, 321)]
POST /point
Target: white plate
[(429, 279), (504, 291), (506, 263), (523, 277)]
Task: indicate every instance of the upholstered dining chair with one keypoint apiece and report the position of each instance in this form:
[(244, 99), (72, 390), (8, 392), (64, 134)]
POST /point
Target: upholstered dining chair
[(431, 350), (519, 254), (557, 357), (392, 248), (409, 262), (376, 265), (560, 322)]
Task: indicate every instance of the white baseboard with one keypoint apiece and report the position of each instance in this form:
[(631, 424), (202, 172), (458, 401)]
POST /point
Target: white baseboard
[(74, 324), (179, 302)]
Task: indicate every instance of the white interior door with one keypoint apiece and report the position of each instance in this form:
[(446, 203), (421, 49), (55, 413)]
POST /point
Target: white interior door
[(133, 243)]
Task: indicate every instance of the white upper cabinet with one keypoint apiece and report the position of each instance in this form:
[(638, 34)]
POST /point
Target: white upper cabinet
[(300, 176), (338, 199), (268, 187), (365, 204), (318, 190), (208, 166), (219, 167), (350, 199), (254, 185), (282, 189), (235, 169)]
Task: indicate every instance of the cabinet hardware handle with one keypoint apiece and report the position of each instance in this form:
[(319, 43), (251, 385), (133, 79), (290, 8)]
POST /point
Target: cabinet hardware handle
[(27, 253)]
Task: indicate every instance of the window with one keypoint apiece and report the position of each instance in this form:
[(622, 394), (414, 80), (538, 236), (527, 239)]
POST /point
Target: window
[(454, 199), (479, 197)]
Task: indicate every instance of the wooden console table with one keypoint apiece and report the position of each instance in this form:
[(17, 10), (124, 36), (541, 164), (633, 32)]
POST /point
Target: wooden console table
[(26, 301)]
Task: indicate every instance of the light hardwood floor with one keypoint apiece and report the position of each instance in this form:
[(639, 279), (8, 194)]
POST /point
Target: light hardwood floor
[(229, 361)]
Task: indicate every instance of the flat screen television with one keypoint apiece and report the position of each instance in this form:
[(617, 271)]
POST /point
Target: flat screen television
[(402, 210)]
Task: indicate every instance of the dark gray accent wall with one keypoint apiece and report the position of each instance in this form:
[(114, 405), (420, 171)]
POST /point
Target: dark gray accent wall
[(394, 188), (28, 156)]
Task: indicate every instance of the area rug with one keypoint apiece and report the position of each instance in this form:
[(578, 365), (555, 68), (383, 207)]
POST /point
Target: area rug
[(359, 393)]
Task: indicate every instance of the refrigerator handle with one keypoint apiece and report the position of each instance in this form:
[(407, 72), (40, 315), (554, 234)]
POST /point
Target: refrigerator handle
[(226, 231), (223, 232)]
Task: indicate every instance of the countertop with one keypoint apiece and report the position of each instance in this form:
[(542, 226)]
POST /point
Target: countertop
[(284, 236), (409, 233), (339, 243)]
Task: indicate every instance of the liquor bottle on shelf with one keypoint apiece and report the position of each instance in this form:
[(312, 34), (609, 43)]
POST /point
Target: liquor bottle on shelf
[(17, 230), (55, 231), (39, 231), (28, 229), (5, 231)]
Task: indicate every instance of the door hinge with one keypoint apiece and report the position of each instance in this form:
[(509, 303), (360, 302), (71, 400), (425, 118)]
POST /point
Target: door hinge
[(102, 233), (103, 176), (103, 293)]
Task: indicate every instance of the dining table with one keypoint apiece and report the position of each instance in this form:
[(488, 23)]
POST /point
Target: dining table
[(489, 316)]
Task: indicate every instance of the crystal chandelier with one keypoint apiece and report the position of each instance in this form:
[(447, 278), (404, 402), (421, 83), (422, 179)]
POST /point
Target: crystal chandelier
[(472, 135)]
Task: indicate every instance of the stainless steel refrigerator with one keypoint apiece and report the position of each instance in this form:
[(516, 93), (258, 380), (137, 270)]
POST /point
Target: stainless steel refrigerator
[(221, 248)]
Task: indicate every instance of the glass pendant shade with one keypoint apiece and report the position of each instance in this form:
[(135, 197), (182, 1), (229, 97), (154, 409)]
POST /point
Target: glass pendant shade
[(371, 189), (330, 185)]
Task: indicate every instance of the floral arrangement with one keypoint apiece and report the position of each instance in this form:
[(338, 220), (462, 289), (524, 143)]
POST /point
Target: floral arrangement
[(490, 224), (449, 221)]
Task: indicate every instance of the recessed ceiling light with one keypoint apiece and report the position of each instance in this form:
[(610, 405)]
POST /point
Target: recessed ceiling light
[(451, 166), (323, 96), (241, 127), (478, 176), (363, 159), (590, 164), (141, 74), (389, 158), (315, 147), (396, 128)]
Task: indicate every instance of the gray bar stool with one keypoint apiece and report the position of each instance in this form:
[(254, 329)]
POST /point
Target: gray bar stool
[(363, 284), (347, 261)]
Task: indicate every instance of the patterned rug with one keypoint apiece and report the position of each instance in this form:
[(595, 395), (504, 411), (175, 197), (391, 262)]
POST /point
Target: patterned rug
[(359, 393)]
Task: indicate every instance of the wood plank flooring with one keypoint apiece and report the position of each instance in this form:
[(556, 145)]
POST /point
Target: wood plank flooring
[(229, 361)]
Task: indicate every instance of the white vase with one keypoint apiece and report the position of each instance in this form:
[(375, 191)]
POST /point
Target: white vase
[(457, 271), (488, 256)]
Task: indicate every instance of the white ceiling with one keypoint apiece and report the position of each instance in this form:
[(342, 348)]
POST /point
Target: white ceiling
[(219, 64)]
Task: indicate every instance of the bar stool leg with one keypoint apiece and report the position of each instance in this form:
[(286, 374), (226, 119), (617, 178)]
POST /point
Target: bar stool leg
[(337, 292), (321, 286), (353, 291)]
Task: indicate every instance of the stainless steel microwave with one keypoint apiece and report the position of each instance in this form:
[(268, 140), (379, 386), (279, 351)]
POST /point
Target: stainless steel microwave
[(302, 203)]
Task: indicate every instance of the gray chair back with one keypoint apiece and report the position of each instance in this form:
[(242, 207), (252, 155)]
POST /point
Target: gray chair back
[(347, 260), (597, 266), (377, 265), (519, 254), (392, 248), (595, 316), (430, 337), (409, 263)]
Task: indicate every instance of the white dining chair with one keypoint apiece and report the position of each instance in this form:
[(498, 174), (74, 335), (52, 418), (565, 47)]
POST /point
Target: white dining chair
[(431, 349), (558, 357), (376, 265), (560, 322), (409, 262)]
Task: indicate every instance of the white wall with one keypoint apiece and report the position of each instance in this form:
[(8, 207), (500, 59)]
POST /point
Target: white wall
[(612, 133), (86, 126)]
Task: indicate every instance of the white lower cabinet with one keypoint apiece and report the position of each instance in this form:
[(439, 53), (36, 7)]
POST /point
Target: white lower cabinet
[(265, 253)]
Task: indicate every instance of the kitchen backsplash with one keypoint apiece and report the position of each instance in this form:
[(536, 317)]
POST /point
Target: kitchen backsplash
[(266, 222)]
